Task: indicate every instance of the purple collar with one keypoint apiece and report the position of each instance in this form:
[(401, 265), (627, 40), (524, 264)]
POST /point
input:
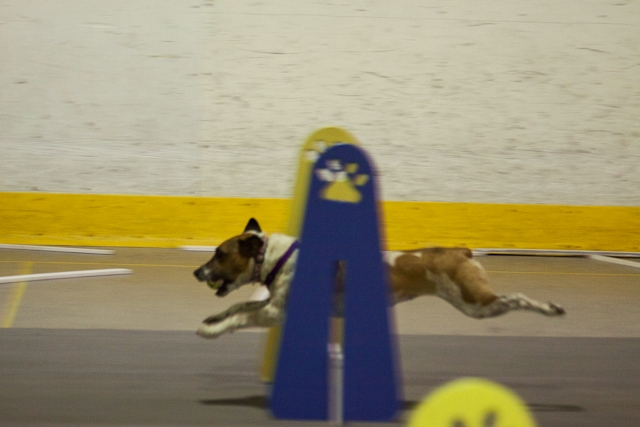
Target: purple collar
[(276, 269)]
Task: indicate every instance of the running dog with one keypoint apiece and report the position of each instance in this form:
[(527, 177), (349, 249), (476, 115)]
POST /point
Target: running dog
[(252, 257)]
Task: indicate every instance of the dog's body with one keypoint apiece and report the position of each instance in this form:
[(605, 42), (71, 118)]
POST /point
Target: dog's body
[(450, 273)]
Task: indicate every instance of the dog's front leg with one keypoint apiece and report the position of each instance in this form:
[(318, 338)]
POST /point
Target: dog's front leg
[(236, 308), (242, 315)]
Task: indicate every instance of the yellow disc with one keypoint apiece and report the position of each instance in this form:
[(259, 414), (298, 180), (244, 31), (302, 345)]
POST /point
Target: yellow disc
[(472, 402)]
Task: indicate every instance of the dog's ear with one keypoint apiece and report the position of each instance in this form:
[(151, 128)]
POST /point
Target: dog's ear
[(250, 246), (253, 225)]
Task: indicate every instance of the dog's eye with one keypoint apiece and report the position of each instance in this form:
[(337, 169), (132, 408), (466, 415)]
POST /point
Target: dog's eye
[(220, 254)]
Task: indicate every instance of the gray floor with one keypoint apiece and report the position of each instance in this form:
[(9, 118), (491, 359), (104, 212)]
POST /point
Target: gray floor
[(121, 350), (107, 377)]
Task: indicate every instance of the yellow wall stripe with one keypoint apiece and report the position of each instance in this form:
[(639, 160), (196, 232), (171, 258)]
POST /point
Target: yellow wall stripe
[(480, 225), (169, 221)]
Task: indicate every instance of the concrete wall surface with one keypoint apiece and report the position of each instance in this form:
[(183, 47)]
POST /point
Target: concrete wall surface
[(486, 101)]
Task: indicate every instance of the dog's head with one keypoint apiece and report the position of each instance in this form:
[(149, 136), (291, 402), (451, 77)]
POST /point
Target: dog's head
[(233, 261)]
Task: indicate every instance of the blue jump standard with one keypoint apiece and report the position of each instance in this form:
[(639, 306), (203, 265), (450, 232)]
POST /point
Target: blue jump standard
[(343, 228)]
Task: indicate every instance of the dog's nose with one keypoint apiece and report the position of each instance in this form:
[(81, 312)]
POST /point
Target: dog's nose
[(198, 274)]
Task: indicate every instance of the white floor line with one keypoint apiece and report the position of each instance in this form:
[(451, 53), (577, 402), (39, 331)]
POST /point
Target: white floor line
[(64, 275), (552, 252), (65, 249), (614, 260), (198, 248)]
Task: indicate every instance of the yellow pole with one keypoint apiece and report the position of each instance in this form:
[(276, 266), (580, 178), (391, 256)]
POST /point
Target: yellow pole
[(15, 298)]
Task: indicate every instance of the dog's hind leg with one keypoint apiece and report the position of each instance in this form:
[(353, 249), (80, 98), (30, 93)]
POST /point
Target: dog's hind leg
[(479, 302), (504, 304), (520, 301)]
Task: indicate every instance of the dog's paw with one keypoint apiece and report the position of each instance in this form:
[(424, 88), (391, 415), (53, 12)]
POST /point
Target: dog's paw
[(208, 331), (556, 310)]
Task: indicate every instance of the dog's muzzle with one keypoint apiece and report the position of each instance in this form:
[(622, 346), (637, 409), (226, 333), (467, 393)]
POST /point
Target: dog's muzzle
[(221, 286), (201, 274)]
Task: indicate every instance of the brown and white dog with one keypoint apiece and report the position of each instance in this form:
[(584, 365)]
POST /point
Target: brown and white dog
[(252, 257)]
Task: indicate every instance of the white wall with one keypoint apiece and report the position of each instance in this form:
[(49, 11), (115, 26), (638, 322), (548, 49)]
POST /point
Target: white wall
[(487, 101)]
